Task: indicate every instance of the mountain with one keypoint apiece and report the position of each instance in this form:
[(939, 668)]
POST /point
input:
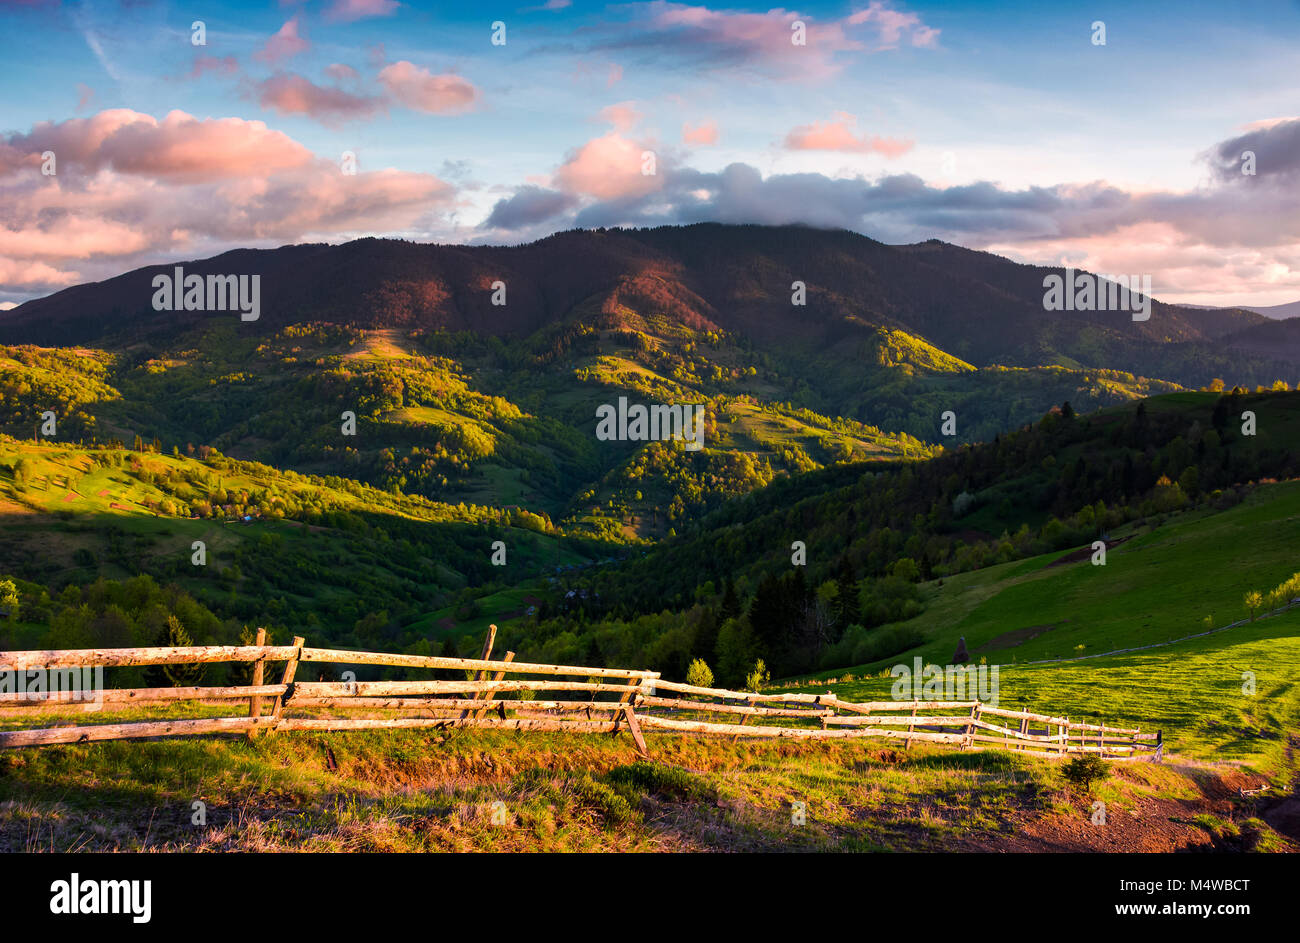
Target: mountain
[(1277, 312), (460, 400), (975, 305)]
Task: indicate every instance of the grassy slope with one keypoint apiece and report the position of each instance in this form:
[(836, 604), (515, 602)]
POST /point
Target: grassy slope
[(1156, 586), (41, 523), (428, 791)]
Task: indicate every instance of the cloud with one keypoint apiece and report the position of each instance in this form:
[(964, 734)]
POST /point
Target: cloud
[(1275, 144), (225, 65), (285, 44), (838, 135), (529, 206), (763, 42), (85, 95), (1240, 233), (417, 89), (622, 116), (180, 147), (294, 94), (133, 189), (349, 11), (608, 168), (341, 72), (704, 134), (892, 24)]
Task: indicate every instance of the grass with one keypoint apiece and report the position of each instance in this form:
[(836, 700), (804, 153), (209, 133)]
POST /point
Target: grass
[(1158, 585), (482, 790), (487, 790), (1192, 691)]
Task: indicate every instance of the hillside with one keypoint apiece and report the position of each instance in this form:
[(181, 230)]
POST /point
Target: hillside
[(726, 589), (976, 306)]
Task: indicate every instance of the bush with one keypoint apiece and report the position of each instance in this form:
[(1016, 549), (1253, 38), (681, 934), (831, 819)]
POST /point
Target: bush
[(1083, 771), (760, 676), (699, 674), (668, 782)]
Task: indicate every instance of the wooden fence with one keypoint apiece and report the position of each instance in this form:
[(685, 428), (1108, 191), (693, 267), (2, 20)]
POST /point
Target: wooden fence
[(505, 694)]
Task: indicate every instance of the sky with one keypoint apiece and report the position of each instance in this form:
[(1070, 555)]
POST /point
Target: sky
[(180, 130)]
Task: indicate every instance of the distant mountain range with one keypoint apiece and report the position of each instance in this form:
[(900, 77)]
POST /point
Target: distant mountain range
[(1277, 312), (976, 306)]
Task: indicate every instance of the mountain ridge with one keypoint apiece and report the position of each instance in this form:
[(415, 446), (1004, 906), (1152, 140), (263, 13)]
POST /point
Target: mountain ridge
[(974, 305)]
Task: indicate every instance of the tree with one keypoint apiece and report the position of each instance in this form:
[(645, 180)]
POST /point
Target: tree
[(9, 600), (760, 676), (730, 604), (180, 676), (699, 674), (736, 650), (1253, 600)]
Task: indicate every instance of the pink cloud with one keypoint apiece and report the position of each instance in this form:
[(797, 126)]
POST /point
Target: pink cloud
[(294, 94), (340, 72), (838, 135), (348, 11), (704, 134), (419, 90), (622, 115), (891, 24), (141, 189), (615, 75), (607, 168), (180, 147), (284, 44), (226, 65), (725, 39), (84, 95), (25, 276)]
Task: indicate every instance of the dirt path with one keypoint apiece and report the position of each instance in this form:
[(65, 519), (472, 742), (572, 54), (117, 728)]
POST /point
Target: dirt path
[(1140, 824)]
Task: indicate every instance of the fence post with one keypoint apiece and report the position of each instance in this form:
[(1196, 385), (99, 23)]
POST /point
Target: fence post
[(290, 669), (629, 714), (488, 695), (255, 702), (968, 742), (744, 718), (627, 701), (1024, 730), (480, 675), (907, 743)]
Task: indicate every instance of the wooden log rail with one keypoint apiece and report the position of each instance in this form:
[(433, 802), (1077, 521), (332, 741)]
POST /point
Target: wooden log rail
[(499, 694)]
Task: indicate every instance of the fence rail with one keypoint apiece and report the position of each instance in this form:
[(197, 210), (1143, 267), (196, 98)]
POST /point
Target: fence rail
[(497, 694)]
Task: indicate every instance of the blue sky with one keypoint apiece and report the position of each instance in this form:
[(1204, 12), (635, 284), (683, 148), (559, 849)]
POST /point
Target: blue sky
[(997, 126)]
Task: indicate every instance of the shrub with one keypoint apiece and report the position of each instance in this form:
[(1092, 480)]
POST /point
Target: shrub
[(760, 676), (699, 674), (668, 782), (1083, 771)]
